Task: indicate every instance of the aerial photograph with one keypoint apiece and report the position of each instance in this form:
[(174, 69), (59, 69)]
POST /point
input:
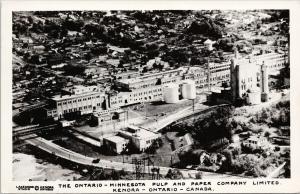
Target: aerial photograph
[(150, 94)]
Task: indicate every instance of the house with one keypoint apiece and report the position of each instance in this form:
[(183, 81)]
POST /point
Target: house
[(254, 142), (39, 49), (65, 123), (208, 44)]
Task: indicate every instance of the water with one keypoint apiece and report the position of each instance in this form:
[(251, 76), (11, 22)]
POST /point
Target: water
[(26, 167)]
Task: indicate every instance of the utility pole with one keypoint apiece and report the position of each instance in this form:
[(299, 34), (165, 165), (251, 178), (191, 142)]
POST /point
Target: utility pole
[(193, 105), (208, 75)]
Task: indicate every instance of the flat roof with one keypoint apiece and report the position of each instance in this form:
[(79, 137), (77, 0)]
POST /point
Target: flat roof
[(65, 97), (135, 80), (148, 77), (116, 139), (140, 133)]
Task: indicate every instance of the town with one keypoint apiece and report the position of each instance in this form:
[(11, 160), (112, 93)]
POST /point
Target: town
[(152, 94)]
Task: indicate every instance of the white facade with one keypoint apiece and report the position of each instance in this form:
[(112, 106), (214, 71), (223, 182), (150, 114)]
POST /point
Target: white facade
[(274, 61), (247, 73), (115, 144), (254, 142), (141, 138), (82, 101), (153, 93), (208, 44)]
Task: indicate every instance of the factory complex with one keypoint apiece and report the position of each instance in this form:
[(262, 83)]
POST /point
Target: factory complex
[(247, 77), (152, 94)]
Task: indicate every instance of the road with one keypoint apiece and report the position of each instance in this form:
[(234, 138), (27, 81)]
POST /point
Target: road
[(165, 121), (61, 152)]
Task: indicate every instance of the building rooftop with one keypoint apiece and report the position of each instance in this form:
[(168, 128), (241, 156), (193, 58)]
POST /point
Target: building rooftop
[(80, 89), (118, 49), (139, 132), (134, 80), (148, 77), (64, 97), (116, 139), (254, 138)]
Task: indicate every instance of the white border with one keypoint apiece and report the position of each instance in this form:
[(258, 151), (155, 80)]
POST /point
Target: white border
[(8, 186)]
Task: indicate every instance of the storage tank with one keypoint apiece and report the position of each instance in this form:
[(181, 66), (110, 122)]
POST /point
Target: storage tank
[(188, 89), (171, 94), (254, 96)]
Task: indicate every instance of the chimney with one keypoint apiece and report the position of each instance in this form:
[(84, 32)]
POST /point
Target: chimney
[(264, 81), (236, 52)]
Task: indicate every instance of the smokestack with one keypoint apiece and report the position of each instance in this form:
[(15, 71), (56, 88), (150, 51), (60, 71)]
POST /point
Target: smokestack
[(233, 79), (236, 53), (264, 78)]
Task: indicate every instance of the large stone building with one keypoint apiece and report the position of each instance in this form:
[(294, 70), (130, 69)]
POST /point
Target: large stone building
[(251, 73)]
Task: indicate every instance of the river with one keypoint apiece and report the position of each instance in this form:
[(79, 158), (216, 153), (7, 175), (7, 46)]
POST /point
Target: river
[(26, 167)]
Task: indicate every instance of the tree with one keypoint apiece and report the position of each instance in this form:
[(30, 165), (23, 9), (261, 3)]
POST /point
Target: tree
[(267, 134), (71, 69), (174, 174), (227, 165), (214, 126), (115, 175), (198, 175)]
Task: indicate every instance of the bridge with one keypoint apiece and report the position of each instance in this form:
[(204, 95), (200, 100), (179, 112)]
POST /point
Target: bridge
[(22, 133), (29, 108), (77, 158), (179, 117)]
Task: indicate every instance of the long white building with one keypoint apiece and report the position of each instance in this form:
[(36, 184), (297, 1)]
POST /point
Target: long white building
[(243, 73), (79, 100)]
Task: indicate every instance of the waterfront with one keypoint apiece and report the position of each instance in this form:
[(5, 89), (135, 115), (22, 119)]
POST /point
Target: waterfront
[(39, 169)]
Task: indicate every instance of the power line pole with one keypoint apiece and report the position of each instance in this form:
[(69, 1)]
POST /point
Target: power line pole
[(209, 75), (193, 105)]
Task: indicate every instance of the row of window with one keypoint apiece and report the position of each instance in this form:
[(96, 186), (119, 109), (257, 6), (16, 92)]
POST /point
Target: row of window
[(77, 100), (218, 70), (166, 82), (115, 102), (277, 65), (136, 99), (77, 109), (243, 87), (97, 104), (150, 92)]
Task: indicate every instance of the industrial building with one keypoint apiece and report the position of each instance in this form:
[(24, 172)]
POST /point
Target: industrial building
[(115, 144), (107, 116), (140, 138), (245, 74), (249, 76), (76, 100)]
